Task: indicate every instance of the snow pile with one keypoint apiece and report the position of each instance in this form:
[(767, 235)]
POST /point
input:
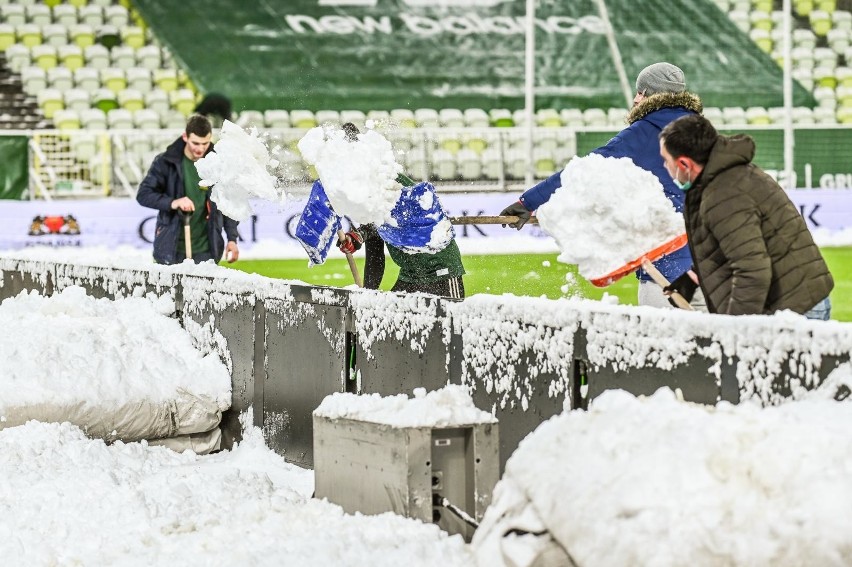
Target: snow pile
[(447, 407), (607, 213), (730, 485), (359, 177), (237, 170), (71, 348)]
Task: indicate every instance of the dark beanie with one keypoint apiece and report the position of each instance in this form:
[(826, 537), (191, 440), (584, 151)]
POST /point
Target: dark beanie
[(660, 78)]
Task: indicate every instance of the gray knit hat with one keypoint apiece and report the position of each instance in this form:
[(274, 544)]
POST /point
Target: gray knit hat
[(660, 78)]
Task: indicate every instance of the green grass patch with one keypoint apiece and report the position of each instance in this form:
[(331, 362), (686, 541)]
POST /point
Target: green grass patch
[(534, 275)]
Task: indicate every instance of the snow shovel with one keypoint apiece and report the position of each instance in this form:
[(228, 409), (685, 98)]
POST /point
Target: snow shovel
[(504, 219), (187, 237), (632, 266), (658, 277)]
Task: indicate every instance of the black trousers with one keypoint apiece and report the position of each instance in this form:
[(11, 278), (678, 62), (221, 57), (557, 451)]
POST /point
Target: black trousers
[(452, 287)]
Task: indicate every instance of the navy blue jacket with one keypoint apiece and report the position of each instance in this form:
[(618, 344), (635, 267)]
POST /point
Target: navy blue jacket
[(162, 185), (640, 143)]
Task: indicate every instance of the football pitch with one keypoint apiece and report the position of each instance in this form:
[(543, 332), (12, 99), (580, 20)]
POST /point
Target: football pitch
[(532, 275)]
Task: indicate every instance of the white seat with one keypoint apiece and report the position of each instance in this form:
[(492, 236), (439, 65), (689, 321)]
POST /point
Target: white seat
[(276, 118), (713, 114), (803, 115), (116, 15), (173, 120), (356, 117), (158, 100), (148, 56), (476, 118), (60, 78), (595, 117), (147, 119), (403, 117), (757, 115), (77, 100), (93, 119), (65, 15), (13, 14), (250, 118), (823, 115), (492, 163), (427, 117), (84, 144), (469, 164), (39, 14), (519, 117), (123, 57), (91, 14), (120, 119), (451, 118), (97, 56), (33, 79), (55, 35), (572, 117), (734, 115), (50, 100), (444, 165), (838, 41), (616, 117), (327, 117), (842, 20), (17, 57), (378, 117), (87, 78)]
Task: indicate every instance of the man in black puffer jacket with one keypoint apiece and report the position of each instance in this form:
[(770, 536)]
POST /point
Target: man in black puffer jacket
[(752, 251), (172, 187)]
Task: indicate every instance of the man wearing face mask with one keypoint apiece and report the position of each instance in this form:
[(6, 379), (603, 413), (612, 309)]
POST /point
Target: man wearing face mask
[(752, 251), (661, 97)]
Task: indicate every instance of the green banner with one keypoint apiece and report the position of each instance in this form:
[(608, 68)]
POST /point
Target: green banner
[(385, 54), (15, 167)]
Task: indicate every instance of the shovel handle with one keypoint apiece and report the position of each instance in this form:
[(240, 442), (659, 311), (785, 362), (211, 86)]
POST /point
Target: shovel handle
[(500, 219), (187, 235), (353, 267), (661, 279)]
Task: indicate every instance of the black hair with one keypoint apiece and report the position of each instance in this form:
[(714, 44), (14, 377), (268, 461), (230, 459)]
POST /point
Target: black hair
[(692, 136), (351, 132), (199, 125)]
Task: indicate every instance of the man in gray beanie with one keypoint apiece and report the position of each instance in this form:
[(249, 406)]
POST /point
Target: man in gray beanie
[(660, 78), (661, 97)]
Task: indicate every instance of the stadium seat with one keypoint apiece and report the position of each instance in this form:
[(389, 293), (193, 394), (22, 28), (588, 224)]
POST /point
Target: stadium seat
[(824, 115), (762, 5), (734, 116), (761, 20), (123, 57), (65, 15), (844, 75), (91, 14), (50, 100), (38, 14), (803, 57), (468, 165), (820, 22), (148, 56), (87, 78), (545, 164), (777, 114), (13, 14), (134, 36), (380, 118), (113, 79), (138, 78), (33, 79), (131, 99), (492, 163), (476, 118), (116, 15), (804, 38), (403, 117), (762, 38), (82, 34), (356, 117), (844, 115), (548, 118), (276, 118), (44, 56), (166, 79), (714, 115), (757, 116), (519, 117), (29, 35), (825, 97), (842, 20), (617, 117), (824, 77), (84, 145), (572, 117), (427, 118), (803, 7), (546, 141), (70, 56), (120, 119), (146, 119), (444, 165), (803, 115), (250, 119), (804, 76), (97, 56), (105, 99), (157, 100), (449, 141), (7, 36), (173, 120), (475, 139), (501, 118), (17, 57), (55, 35), (740, 19), (108, 36), (451, 118), (77, 100), (66, 119), (323, 117), (844, 96), (60, 78), (183, 100), (595, 118)]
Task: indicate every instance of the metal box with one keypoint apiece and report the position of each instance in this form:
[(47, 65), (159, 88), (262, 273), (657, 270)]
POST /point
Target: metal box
[(373, 468)]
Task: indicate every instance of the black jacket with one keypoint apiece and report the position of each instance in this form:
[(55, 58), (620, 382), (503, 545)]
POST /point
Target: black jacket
[(162, 185)]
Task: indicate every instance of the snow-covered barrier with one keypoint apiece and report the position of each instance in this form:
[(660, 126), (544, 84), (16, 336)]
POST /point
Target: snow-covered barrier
[(288, 345)]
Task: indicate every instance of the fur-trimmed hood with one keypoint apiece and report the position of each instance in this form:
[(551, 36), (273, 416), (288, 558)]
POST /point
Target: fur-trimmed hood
[(655, 102)]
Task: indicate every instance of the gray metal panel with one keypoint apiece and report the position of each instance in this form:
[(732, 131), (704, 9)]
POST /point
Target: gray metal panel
[(14, 282), (373, 468), (305, 362)]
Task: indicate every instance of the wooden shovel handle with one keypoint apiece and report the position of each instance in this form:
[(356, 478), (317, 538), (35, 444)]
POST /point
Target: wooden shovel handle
[(661, 279), (504, 219)]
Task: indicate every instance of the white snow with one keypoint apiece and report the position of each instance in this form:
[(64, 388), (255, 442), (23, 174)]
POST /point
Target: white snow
[(450, 406), (607, 213), (359, 177), (237, 170)]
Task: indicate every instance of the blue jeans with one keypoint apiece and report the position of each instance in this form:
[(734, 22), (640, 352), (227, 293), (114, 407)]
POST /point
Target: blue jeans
[(821, 311)]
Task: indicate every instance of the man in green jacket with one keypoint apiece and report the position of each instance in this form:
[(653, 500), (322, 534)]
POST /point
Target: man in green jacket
[(751, 249)]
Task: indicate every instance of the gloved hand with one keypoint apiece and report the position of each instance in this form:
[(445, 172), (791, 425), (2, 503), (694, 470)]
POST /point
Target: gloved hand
[(353, 242), (517, 209), (684, 285)]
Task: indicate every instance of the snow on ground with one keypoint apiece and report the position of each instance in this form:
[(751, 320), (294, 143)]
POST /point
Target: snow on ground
[(638, 216)]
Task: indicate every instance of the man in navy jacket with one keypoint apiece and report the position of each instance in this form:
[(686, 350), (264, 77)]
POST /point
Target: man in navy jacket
[(172, 187), (661, 98)]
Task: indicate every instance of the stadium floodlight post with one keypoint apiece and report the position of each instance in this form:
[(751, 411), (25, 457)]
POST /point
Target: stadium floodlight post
[(616, 54), (789, 141), (529, 85)]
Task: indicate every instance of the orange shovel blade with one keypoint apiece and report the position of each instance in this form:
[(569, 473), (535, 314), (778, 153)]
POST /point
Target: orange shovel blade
[(631, 267)]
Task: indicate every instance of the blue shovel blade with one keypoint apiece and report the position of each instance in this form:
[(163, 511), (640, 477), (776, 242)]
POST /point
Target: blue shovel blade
[(318, 225)]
